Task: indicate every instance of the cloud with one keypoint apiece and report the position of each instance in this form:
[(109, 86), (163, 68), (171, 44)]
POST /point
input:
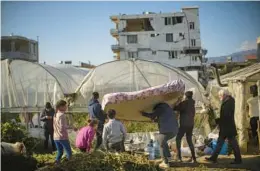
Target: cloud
[(247, 45)]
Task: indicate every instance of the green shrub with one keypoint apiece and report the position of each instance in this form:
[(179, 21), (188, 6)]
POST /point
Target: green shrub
[(12, 133)]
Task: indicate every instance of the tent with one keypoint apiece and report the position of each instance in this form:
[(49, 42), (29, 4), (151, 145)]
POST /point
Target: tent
[(238, 83), (28, 86), (133, 75)]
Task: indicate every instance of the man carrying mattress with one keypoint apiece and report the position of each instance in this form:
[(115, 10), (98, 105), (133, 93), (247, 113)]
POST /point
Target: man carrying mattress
[(96, 113), (187, 114), (168, 128)]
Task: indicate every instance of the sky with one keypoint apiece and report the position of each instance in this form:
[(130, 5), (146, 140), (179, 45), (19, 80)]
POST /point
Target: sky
[(80, 31)]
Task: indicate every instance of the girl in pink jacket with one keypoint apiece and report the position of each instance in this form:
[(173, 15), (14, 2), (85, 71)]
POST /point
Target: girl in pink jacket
[(86, 135)]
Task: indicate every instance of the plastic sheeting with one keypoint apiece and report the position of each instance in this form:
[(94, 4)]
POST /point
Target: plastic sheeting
[(134, 75), (26, 84)]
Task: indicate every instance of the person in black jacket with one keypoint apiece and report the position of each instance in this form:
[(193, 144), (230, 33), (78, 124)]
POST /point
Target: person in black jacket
[(187, 114), (96, 113), (168, 128), (227, 128), (47, 117)]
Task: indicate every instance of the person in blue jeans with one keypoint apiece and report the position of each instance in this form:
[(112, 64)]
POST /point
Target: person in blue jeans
[(60, 127), (168, 129)]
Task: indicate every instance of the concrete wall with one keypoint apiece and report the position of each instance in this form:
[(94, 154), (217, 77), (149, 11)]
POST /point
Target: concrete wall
[(147, 44)]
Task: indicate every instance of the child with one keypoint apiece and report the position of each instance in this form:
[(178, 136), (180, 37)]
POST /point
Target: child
[(60, 127), (86, 135), (114, 133)]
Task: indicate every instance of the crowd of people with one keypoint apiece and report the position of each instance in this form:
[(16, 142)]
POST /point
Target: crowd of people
[(111, 134)]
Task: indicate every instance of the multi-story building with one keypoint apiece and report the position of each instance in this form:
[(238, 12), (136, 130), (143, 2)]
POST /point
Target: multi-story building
[(18, 47), (258, 49), (172, 38)]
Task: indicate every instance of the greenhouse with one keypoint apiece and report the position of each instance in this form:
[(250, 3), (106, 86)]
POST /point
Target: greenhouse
[(27, 86), (238, 83), (134, 75)]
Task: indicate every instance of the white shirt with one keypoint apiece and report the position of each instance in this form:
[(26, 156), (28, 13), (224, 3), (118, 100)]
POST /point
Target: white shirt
[(253, 106), (114, 132)]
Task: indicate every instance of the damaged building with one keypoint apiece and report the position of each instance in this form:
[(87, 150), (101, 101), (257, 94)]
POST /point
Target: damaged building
[(172, 38)]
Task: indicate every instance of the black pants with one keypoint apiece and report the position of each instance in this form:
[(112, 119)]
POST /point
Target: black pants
[(164, 147), (99, 135), (49, 133), (118, 147), (234, 144), (188, 131), (253, 124)]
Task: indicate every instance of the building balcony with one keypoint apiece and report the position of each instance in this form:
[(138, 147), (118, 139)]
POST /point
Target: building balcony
[(192, 50), (114, 18), (115, 48), (114, 32)]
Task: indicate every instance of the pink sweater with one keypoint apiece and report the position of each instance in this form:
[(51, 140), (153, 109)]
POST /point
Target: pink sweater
[(60, 127), (85, 137)]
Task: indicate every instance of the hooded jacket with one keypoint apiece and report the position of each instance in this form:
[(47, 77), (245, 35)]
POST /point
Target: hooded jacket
[(95, 111), (166, 118)]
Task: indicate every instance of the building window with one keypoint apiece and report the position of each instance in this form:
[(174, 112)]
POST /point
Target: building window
[(131, 39), (193, 42), (179, 19), (153, 52), (169, 37), (192, 26), (194, 58), (173, 54), (132, 54), (168, 21), (152, 35), (172, 20)]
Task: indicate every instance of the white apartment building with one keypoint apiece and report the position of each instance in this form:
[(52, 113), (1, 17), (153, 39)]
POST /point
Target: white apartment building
[(172, 38), (18, 47)]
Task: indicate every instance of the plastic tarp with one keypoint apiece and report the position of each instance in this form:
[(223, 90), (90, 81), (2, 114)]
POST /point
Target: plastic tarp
[(239, 83), (30, 85), (134, 75)]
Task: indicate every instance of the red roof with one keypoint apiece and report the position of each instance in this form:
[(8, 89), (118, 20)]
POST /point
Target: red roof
[(251, 57)]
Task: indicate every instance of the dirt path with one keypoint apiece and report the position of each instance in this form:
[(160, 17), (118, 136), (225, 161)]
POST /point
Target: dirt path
[(250, 162)]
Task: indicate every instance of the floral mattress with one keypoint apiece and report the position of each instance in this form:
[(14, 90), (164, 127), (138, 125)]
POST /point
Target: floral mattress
[(129, 104)]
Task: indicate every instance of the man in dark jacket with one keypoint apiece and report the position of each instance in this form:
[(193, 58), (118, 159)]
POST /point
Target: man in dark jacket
[(187, 114), (227, 127), (47, 117), (96, 112), (168, 128)]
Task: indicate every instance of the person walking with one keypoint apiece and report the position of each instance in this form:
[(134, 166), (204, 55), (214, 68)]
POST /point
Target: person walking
[(96, 113), (114, 133), (168, 128), (46, 116), (253, 111), (227, 128), (187, 114), (60, 136)]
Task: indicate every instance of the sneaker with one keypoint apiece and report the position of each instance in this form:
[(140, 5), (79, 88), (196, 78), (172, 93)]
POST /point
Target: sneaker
[(170, 159), (56, 162), (236, 162), (179, 160), (164, 165), (192, 160)]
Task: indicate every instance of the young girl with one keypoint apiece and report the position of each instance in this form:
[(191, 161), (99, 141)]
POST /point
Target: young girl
[(60, 127), (86, 135)]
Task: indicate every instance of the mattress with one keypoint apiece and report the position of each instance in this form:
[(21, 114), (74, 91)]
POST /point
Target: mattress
[(129, 104)]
